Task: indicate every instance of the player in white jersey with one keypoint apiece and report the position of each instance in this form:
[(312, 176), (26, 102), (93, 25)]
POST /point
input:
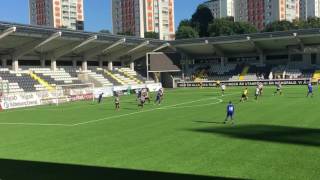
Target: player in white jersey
[(279, 89), (260, 86), (257, 93), (223, 88)]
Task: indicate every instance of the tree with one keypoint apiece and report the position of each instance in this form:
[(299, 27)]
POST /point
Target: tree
[(185, 32), (201, 19), (221, 27), (244, 28), (312, 22), (184, 22), (152, 35), (106, 31), (279, 26)]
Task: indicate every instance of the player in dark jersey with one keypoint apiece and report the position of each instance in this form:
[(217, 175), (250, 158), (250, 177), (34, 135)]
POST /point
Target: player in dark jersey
[(117, 102), (142, 101), (100, 98), (230, 113), (310, 90), (159, 97), (139, 94), (279, 89)]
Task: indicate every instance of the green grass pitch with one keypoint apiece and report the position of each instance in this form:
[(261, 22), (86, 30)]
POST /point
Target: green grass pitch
[(276, 137)]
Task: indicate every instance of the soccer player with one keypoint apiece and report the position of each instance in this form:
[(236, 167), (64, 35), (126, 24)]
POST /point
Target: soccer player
[(260, 86), (310, 90), (244, 96), (223, 88), (142, 101), (159, 96), (230, 112), (146, 96), (100, 98), (117, 102), (257, 93), (139, 94), (278, 90)]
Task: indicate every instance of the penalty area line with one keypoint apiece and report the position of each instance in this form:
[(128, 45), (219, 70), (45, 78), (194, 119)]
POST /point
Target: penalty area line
[(35, 124), (160, 108), (123, 115)]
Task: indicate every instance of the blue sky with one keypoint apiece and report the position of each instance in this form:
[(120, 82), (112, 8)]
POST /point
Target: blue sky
[(97, 12)]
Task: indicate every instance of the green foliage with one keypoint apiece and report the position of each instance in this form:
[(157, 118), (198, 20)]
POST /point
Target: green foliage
[(151, 35), (311, 22), (185, 32), (279, 26), (201, 19), (226, 26), (221, 27), (244, 28)]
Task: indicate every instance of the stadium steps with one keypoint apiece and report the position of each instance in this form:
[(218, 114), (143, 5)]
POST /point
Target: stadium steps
[(244, 73), (41, 81), (316, 75), (126, 74), (114, 77)]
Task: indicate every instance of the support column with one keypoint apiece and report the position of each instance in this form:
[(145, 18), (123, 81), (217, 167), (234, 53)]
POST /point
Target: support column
[(84, 65), (261, 59), (100, 63), (223, 59), (4, 63), (318, 59), (53, 64), (110, 65), (15, 64), (132, 66), (43, 62), (74, 63)]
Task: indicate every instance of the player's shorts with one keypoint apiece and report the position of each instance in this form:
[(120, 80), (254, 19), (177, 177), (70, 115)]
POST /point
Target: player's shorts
[(244, 96), (278, 89), (229, 114), (310, 91)]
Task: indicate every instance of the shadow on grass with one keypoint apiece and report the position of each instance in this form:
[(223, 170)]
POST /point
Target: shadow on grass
[(209, 122), (270, 133), (17, 170)]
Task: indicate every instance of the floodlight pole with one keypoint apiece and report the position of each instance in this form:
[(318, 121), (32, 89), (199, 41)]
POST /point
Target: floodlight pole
[(147, 64)]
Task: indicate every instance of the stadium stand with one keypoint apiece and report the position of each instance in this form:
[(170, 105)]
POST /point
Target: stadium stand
[(251, 72), (19, 81)]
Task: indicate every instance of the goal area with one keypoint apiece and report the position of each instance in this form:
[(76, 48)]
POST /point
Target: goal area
[(74, 92)]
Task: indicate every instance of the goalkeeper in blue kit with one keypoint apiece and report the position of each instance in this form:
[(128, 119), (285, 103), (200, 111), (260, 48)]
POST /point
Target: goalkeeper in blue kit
[(230, 113)]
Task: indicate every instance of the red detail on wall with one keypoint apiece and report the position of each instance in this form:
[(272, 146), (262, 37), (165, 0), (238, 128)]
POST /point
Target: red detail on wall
[(256, 13), (40, 12)]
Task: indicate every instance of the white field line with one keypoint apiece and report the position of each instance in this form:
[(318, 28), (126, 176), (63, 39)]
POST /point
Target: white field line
[(123, 115), (36, 124), (149, 110)]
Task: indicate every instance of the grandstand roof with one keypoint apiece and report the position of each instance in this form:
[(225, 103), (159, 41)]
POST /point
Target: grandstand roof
[(295, 41), (18, 40)]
